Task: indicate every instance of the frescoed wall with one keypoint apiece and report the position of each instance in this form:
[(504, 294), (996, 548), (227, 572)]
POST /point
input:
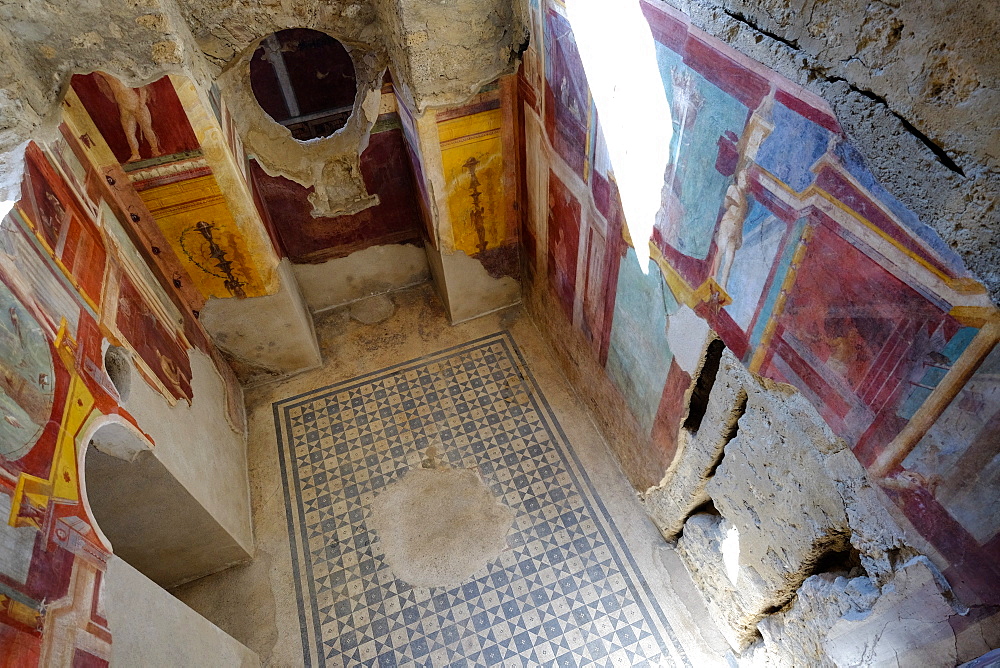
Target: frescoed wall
[(75, 281), (772, 232), (150, 136), (385, 166), (465, 159)]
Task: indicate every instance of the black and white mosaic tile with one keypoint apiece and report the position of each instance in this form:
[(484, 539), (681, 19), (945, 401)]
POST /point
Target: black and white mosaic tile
[(565, 591)]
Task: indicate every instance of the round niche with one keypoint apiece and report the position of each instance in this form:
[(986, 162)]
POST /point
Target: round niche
[(304, 80)]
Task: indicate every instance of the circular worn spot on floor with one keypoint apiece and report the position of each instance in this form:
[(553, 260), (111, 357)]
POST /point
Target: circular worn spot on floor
[(373, 309), (438, 527)]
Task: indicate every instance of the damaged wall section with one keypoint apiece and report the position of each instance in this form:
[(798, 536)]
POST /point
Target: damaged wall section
[(856, 338)]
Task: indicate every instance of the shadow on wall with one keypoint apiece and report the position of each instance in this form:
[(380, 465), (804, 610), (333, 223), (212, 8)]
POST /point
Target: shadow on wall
[(146, 516)]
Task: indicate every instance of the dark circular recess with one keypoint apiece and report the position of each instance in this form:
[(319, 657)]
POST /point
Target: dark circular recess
[(304, 79)]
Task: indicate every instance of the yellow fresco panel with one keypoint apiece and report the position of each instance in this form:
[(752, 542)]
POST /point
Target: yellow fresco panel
[(81, 125), (195, 219), (243, 221), (471, 152)]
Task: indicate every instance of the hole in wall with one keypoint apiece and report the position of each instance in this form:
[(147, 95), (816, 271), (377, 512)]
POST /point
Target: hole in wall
[(118, 365), (707, 508), (304, 80), (845, 560), (703, 386)]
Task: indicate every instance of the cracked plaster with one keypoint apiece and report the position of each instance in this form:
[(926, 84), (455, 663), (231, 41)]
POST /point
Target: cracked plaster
[(909, 82)]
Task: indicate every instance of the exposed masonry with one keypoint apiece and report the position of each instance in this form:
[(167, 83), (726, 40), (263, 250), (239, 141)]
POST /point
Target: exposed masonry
[(790, 43), (703, 386), (700, 451), (905, 83), (438, 55), (791, 547), (933, 147)]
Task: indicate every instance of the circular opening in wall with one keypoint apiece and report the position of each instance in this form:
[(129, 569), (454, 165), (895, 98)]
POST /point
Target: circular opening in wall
[(304, 79), (118, 364)]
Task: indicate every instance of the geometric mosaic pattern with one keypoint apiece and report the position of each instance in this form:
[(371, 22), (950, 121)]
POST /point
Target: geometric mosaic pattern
[(564, 592)]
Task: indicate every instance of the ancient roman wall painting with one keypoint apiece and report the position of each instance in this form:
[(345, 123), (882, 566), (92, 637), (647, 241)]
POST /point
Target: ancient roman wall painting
[(773, 232), (464, 161), (411, 139), (76, 276), (476, 194), (386, 169), (155, 148)]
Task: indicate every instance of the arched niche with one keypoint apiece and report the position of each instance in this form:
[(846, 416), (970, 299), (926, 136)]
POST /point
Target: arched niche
[(143, 514)]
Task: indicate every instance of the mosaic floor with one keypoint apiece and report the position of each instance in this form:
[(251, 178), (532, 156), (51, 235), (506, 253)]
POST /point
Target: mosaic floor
[(564, 592)]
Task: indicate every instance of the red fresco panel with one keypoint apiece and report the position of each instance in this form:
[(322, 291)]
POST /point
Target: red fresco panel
[(740, 82), (668, 418), (53, 208), (667, 30), (564, 240), (835, 184), (168, 127), (166, 358), (385, 167), (832, 315), (567, 98)]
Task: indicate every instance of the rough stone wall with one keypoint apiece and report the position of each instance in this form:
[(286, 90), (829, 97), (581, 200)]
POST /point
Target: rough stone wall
[(444, 51), (786, 539), (914, 85), (141, 40)]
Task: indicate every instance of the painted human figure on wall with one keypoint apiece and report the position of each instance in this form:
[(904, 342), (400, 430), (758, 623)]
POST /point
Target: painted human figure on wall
[(134, 113), (137, 123), (729, 237)]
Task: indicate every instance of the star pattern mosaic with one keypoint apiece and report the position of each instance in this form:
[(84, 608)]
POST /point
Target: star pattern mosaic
[(564, 592)]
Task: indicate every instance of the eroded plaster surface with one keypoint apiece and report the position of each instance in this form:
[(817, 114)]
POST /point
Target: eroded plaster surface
[(438, 526), (267, 335), (362, 274), (909, 83)]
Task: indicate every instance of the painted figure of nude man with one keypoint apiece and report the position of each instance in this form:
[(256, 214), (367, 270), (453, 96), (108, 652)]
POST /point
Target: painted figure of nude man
[(134, 113)]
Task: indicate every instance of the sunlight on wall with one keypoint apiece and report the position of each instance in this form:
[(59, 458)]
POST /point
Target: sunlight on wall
[(619, 57)]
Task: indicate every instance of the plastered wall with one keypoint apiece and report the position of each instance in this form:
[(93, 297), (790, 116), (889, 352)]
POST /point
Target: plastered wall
[(100, 350), (774, 236)]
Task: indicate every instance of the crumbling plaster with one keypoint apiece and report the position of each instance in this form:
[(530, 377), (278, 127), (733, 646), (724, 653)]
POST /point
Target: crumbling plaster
[(270, 335), (444, 52), (439, 54), (331, 164), (913, 85), (367, 272), (797, 557)]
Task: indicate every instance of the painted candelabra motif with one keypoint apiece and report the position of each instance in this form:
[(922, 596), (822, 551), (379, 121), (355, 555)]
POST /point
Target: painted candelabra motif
[(84, 266), (175, 186), (204, 251), (773, 232)]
